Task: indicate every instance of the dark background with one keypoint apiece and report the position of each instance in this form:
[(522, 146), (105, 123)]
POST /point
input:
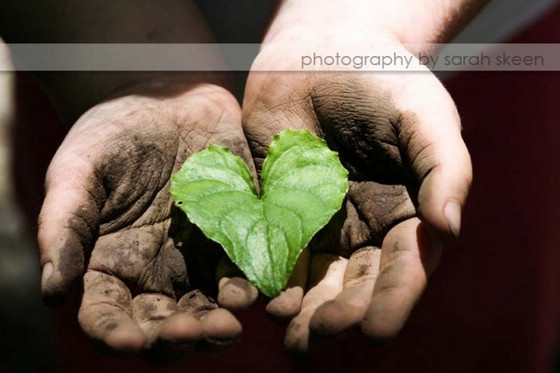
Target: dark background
[(492, 306)]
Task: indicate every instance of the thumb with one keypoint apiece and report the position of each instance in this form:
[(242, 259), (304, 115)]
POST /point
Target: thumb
[(68, 224), (274, 101), (431, 134)]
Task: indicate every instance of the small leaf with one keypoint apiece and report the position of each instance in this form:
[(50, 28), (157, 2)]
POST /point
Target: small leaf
[(303, 185)]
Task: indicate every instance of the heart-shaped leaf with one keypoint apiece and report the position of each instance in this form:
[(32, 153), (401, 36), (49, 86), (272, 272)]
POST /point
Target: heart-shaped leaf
[(302, 186)]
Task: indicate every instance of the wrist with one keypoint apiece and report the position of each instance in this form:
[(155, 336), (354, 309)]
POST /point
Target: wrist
[(414, 23), (73, 93)]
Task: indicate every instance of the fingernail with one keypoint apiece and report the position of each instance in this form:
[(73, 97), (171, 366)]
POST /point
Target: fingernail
[(48, 269), (452, 213)]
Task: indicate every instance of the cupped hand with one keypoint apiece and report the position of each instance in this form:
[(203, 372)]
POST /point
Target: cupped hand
[(399, 137), (108, 219)]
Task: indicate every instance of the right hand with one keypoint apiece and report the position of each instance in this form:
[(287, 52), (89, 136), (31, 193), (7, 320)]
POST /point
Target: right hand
[(108, 220), (399, 135)]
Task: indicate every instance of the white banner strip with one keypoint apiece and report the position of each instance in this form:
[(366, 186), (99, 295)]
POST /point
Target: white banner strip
[(239, 57)]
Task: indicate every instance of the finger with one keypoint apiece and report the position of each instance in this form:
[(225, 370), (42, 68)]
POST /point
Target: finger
[(177, 334), (197, 304), (234, 291), (67, 227), (410, 253), (347, 310), (168, 333), (159, 318), (431, 133), (272, 103), (288, 304), (236, 294), (227, 130), (106, 313), (325, 283), (220, 329)]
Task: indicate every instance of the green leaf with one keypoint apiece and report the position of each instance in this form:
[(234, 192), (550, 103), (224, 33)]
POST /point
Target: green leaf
[(303, 185)]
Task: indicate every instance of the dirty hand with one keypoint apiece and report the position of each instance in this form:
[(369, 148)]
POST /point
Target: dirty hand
[(409, 175), (108, 220)]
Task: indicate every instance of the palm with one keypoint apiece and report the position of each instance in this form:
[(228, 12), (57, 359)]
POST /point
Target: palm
[(134, 244), (377, 124), (382, 183), (110, 180)]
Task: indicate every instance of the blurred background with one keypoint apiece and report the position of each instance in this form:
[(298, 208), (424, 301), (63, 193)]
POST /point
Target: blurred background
[(25, 328), (492, 306)]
